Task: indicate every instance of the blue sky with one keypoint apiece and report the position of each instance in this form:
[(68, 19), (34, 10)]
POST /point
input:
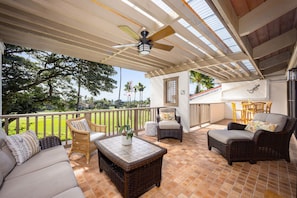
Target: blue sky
[(127, 75)]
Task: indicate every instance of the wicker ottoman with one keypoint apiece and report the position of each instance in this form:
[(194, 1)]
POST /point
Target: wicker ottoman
[(150, 128)]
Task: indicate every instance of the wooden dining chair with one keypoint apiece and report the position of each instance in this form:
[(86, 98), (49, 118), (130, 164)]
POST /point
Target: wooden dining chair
[(234, 112), (268, 107)]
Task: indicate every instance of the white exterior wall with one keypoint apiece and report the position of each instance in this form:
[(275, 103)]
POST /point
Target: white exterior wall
[(157, 90), (276, 92)]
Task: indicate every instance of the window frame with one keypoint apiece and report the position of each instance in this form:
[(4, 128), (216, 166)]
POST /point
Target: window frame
[(166, 85)]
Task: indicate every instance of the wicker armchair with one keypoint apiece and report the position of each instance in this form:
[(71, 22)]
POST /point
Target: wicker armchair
[(84, 133), (169, 125), (238, 144)]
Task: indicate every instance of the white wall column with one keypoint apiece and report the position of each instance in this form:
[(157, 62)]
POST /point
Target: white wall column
[(2, 47)]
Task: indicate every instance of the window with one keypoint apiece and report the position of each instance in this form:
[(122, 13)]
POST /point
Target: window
[(171, 91)]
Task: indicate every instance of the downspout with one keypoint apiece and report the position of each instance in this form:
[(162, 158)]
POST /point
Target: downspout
[(2, 47)]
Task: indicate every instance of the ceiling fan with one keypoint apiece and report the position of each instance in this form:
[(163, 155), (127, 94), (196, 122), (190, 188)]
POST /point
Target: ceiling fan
[(145, 43)]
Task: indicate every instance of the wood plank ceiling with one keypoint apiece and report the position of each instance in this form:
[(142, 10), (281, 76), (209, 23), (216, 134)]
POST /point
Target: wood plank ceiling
[(230, 40)]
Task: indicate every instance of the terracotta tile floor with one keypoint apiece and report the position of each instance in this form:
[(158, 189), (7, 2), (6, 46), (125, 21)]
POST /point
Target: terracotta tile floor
[(191, 170)]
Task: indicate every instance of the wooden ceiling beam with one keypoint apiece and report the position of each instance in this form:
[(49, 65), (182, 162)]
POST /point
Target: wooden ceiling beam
[(226, 11), (275, 60), (277, 43), (264, 14), (293, 60)]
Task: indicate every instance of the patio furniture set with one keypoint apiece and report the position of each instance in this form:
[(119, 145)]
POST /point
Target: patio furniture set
[(133, 169)]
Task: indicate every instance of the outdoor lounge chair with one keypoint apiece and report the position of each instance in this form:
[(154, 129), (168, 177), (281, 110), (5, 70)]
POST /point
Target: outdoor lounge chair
[(84, 133), (169, 125), (255, 141)]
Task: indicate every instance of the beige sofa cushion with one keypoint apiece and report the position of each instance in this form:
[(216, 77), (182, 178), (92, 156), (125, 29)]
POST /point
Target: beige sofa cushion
[(71, 193), (46, 183), (7, 160), (44, 158)]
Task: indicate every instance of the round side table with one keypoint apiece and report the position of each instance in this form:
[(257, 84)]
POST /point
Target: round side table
[(150, 128)]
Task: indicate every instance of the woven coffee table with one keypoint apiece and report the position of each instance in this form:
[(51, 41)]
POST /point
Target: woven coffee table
[(133, 169)]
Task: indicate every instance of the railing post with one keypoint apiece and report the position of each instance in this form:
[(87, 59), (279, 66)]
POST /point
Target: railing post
[(88, 116), (136, 121)]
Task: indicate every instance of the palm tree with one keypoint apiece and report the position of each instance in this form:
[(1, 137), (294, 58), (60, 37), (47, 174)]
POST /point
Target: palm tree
[(128, 89), (140, 87), (201, 80)]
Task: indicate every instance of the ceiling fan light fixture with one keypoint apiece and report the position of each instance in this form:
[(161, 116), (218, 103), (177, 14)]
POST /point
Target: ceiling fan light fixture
[(144, 49)]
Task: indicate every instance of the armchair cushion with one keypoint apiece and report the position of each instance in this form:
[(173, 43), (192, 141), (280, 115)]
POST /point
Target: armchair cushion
[(81, 124), (23, 146), (254, 126), (169, 124), (96, 136), (278, 119), (167, 116), (225, 135)]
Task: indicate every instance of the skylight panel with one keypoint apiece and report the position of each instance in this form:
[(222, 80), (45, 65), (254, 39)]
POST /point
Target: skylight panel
[(142, 12), (205, 12), (197, 34), (248, 65), (166, 8), (190, 43)]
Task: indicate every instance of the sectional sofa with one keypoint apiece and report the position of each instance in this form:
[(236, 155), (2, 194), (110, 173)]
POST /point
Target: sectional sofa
[(47, 173)]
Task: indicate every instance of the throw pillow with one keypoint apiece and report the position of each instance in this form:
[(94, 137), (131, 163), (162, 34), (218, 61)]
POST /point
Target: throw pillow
[(167, 116), (23, 146), (253, 126), (81, 125)]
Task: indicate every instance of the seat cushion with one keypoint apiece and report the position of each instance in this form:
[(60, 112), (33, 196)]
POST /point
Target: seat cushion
[(225, 135), (44, 158), (96, 136), (45, 183), (73, 193), (169, 124)]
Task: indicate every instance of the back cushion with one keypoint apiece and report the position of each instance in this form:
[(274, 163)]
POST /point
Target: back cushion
[(23, 146), (7, 160), (278, 119), (81, 125), (167, 113)]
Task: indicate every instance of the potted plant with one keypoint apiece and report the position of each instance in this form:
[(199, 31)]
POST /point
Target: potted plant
[(127, 134)]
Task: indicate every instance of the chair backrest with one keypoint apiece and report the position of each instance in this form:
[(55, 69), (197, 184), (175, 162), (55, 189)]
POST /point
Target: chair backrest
[(273, 118), (268, 107), (80, 123), (167, 113)]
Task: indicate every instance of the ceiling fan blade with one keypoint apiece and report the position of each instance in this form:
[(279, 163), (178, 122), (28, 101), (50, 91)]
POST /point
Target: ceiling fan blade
[(162, 46), (125, 45), (162, 33), (129, 31)]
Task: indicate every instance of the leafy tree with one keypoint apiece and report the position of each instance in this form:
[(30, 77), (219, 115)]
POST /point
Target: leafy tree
[(33, 79), (201, 80)]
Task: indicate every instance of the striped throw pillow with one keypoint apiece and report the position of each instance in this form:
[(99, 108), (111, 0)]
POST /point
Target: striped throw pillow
[(81, 125), (23, 146)]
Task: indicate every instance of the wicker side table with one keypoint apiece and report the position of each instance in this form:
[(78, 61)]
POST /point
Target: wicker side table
[(151, 128), (134, 169)]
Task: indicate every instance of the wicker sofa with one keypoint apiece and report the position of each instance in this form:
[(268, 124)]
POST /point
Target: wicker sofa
[(48, 173), (238, 144)]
